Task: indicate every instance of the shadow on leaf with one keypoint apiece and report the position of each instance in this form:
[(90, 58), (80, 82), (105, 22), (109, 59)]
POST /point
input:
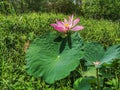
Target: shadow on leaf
[(63, 44)]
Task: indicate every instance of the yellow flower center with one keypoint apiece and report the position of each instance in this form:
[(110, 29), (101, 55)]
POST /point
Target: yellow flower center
[(66, 25)]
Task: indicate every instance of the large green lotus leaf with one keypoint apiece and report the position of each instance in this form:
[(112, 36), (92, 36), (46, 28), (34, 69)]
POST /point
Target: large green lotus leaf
[(113, 52), (96, 53), (93, 52), (44, 60)]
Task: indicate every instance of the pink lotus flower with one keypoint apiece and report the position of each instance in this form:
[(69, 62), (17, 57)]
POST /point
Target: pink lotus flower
[(67, 25)]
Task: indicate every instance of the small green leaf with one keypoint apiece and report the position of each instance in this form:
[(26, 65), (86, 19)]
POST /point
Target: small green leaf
[(107, 88), (91, 71), (83, 83)]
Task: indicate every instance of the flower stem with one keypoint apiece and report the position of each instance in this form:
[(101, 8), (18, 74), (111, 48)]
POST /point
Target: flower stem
[(81, 69), (98, 82)]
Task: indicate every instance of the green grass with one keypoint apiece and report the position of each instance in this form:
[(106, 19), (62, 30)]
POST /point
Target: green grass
[(16, 30)]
